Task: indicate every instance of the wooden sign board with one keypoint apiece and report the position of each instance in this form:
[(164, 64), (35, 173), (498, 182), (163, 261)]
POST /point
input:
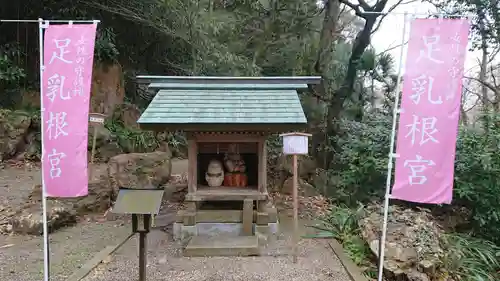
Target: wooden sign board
[(97, 118), (295, 143)]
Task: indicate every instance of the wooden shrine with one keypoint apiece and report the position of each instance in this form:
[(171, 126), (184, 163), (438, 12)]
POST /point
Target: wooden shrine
[(227, 121)]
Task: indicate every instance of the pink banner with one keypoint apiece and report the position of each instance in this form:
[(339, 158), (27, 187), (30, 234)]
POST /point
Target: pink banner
[(68, 58), (430, 109)]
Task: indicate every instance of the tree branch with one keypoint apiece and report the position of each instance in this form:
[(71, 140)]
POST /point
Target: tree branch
[(364, 5), (354, 7), (392, 48), (400, 2), (493, 77), (485, 83)]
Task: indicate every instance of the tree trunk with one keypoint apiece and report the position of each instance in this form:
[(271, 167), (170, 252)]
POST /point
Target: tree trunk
[(463, 114), (327, 42), (336, 106), (483, 71)]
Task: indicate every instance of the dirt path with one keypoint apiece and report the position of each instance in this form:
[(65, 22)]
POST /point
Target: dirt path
[(316, 263), (22, 256), (70, 249)]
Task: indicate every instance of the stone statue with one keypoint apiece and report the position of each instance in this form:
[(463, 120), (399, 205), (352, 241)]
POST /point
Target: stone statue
[(233, 160), (215, 173)]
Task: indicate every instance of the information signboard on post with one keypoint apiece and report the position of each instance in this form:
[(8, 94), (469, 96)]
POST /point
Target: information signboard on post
[(95, 119), (295, 144)]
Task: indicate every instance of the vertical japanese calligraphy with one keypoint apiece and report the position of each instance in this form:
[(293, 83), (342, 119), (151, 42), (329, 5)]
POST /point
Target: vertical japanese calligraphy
[(429, 112), (68, 58)]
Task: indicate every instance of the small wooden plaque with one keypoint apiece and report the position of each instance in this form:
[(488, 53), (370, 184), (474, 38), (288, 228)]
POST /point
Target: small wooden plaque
[(295, 143), (97, 118)]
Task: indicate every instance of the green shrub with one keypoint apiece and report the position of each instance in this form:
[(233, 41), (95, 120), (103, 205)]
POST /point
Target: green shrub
[(469, 259), (132, 140), (362, 162), (477, 169), (11, 74), (341, 223), (362, 170)]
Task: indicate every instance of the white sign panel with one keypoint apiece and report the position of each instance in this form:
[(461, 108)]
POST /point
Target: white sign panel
[(295, 144), (96, 119)]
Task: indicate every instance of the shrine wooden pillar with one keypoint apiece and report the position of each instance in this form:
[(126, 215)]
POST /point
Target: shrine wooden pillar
[(192, 164), (262, 165)]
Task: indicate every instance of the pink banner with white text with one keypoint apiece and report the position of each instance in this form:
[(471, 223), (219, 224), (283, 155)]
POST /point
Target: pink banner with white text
[(430, 109), (68, 59)]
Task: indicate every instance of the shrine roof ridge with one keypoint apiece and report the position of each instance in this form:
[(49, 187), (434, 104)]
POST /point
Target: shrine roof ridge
[(228, 80)]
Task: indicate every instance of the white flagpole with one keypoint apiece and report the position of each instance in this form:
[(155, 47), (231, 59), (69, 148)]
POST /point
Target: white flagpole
[(381, 250), (46, 255)]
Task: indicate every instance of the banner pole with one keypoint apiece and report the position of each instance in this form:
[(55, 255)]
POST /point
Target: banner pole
[(381, 250), (46, 256), (295, 209), (54, 21)]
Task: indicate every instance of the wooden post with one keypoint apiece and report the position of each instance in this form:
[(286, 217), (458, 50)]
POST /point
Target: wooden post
[(192, 162), (295, 210), (94, 139), (142, 256), (95, 119), (143, 261), (295, 144)]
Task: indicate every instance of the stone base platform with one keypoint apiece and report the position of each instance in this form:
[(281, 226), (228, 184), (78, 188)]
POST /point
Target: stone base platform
[(203, 246), (232, 223), (215, 229)]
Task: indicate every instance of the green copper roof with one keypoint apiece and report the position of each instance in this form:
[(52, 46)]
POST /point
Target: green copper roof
[(210, 102), (224, 106)]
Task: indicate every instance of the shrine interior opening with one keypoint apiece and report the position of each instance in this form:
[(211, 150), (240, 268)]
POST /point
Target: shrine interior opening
[(222, 152)]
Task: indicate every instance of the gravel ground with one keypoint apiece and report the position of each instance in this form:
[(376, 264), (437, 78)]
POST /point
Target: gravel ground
[(316, 263), (70, 249), (16, 183), (21, 257)]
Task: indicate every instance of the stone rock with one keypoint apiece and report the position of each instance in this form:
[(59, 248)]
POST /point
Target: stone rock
[(139, 170), (6, 214), (62, 212), (417, 276), (395, 252), (103, 136), (29, 220), (108, 151), (306, 165), (107, 89), (98, 199), (128, 114), (33, 146), (305, 189), (412, 241), (426, 266), (177, 152), (14, 127), (105, 147), (176, 189), (30, 99)]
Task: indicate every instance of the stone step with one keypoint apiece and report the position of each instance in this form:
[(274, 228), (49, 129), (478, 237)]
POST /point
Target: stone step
[(202, 246), (227, 216)]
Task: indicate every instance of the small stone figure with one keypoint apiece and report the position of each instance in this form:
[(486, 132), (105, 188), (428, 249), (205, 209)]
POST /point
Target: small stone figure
[(236, 168), (215, 173), (233, 160)]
